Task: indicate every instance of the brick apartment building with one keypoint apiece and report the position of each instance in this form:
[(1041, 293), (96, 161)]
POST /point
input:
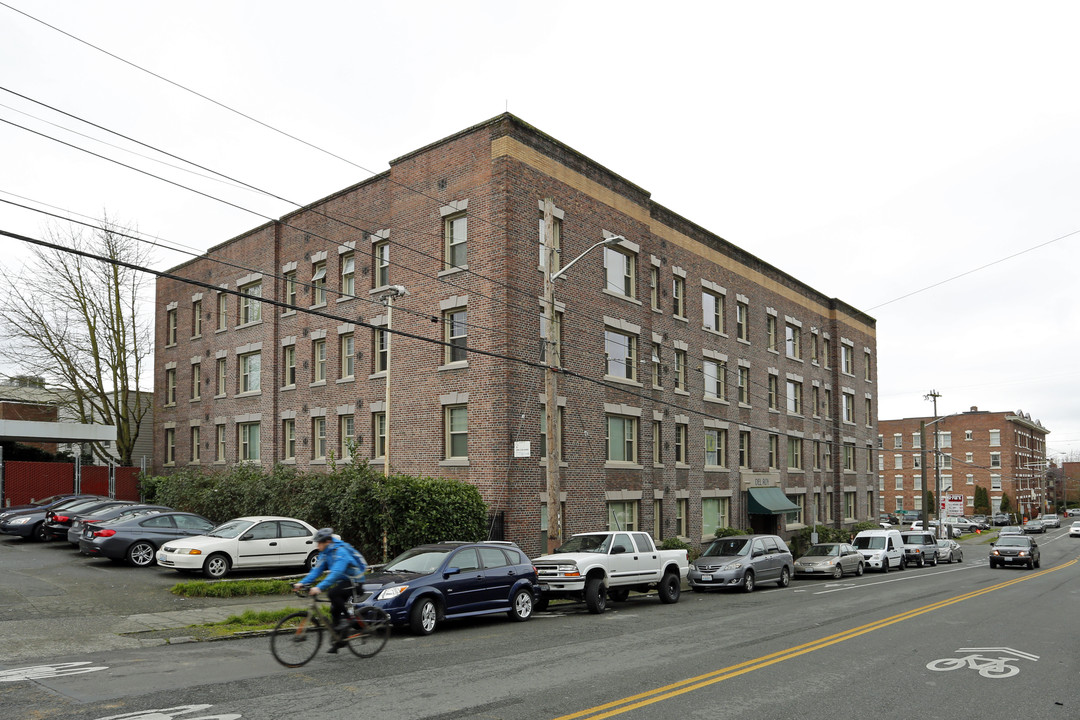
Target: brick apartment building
[(705, 387), (1003, 452)]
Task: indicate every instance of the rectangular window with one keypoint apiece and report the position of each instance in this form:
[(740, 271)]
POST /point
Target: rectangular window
[(682, 517), (898, 481), (945, 439), (170, 387), (869, 459), (658, 442), (969, 435), (995, 483), (619, 271), (899, 499), (457, 431), (290, 290), (456, 234), (744, 385), (826, 455), (558, 338), (289, 366), (846, 363), (995, 438), (898, 462), (250, 372), (318, 360), (916, 502), (378, 431), (712, 311), (249, 441), (621, 439), (346, 432), (715, 448), (556, 241), (219, 443), (794, 453), (196, 319), (795, 517), (774, 451), (946, 483), (815, 400), (849, 408), (898, 440), (620, 350), (828, 403), (774, 392), (817, 454), (656, 365), (543, 432), (713, 373), (170, 446), (742, 328), (658, 520), (318, 283), (381, 257), (680, 370), (849, 457), (826, 354), (622, 515), (318, 438), (866, 366), (654, 288), (815, 348), (455, 334), (916, 461), (849, 506), (868, 411), (970, 479), (678, 296), (794, 397), (348, 274), (714, 513), (382, 355), (744, 449), (916, 441), (917, 481), (170, 327), (680, 443), (995, 459), (250, 305), (348, 357), (793, 341), (969, 458), (196, 381), (770, 332), (288, 438), (195, 430)]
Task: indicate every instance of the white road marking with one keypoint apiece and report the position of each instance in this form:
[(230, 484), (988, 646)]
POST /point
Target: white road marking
[(44, 672)]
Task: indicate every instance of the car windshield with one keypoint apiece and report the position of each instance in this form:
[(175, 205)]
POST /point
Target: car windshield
[(875, 542), (230, 529), (585, 543), (728, 547), (46, 501), (823, 550), (1014, 542), (943, 543), (423, 561)]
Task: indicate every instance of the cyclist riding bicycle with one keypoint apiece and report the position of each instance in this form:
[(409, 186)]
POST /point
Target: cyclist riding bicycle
[(344, 566)]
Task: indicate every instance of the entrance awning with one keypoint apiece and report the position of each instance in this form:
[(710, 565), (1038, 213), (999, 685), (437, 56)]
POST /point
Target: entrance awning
[(769, 501)]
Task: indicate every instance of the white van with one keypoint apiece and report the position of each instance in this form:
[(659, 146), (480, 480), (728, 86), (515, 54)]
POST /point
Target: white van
[(881, 549)]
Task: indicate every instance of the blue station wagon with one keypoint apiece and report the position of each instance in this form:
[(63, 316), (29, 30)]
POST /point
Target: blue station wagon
[(428, 584)]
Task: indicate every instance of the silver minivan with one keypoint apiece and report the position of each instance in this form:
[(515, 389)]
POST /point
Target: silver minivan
[(742, 561)]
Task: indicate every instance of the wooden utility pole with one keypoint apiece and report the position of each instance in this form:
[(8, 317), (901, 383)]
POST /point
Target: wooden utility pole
[(551, 394)]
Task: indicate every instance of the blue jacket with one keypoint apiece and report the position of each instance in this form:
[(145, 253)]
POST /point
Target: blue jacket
[(339, 560)]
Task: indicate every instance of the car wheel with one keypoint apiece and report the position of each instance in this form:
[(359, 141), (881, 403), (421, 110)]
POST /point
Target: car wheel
[(885, 564), (859, 570), (748, 581), (785, 577), (216, 566), (38, 533), (540, 604), (521, 607), (595, 595), (1038, 562), (960, 558), (837, 572), (141, 554), (1031, 564), (423, 617), (669, 588), (312, 560), (922, 562), (619, 594)]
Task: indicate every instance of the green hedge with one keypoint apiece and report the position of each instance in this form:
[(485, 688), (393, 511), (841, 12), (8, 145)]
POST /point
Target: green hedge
[(362, 505)]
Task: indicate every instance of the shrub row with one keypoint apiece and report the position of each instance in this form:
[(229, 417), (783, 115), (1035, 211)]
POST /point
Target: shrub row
[(381, 515)]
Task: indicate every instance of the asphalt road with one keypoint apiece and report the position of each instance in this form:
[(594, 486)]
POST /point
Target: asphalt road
[(922, 643)]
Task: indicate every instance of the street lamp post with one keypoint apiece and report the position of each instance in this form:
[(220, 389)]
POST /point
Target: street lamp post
[(934, 395), (551, 394)]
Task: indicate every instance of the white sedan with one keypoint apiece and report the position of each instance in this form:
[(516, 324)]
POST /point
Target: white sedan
[(1074, 529), (246, 542)]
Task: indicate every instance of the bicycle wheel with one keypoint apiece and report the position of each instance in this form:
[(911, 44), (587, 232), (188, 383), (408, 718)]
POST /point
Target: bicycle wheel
[(369, 641), (946, 664), (296, 639)]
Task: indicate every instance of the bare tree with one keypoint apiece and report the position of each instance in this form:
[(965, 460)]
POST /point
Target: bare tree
[(84, 326)]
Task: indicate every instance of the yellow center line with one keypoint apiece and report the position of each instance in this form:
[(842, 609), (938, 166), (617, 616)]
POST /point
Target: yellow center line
[(617, 707)]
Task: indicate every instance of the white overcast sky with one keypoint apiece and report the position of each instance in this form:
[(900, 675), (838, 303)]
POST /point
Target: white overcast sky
[(869, 149)]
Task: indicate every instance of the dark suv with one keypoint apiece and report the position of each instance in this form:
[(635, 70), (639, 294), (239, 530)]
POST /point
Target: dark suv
[(423, 586), (1015, 550)]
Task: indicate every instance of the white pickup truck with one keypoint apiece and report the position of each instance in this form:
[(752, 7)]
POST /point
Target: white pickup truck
[(593, 566)]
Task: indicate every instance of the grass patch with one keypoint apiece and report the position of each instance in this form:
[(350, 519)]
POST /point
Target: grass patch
[(247, 621), (231, 588)]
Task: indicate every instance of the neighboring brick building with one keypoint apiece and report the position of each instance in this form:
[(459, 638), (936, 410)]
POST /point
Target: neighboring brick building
[(746, 375), (20, 409), (1003, 452)]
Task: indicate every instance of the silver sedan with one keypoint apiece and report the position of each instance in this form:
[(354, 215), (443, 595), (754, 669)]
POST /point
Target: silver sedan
[(949, 550), (830, 560)]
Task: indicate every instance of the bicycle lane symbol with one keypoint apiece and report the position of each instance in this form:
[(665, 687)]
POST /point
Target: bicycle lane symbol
[(987, 666), (44, 672)]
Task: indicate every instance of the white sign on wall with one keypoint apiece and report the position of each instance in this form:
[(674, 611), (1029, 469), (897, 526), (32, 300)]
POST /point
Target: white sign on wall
[(522, 448)]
